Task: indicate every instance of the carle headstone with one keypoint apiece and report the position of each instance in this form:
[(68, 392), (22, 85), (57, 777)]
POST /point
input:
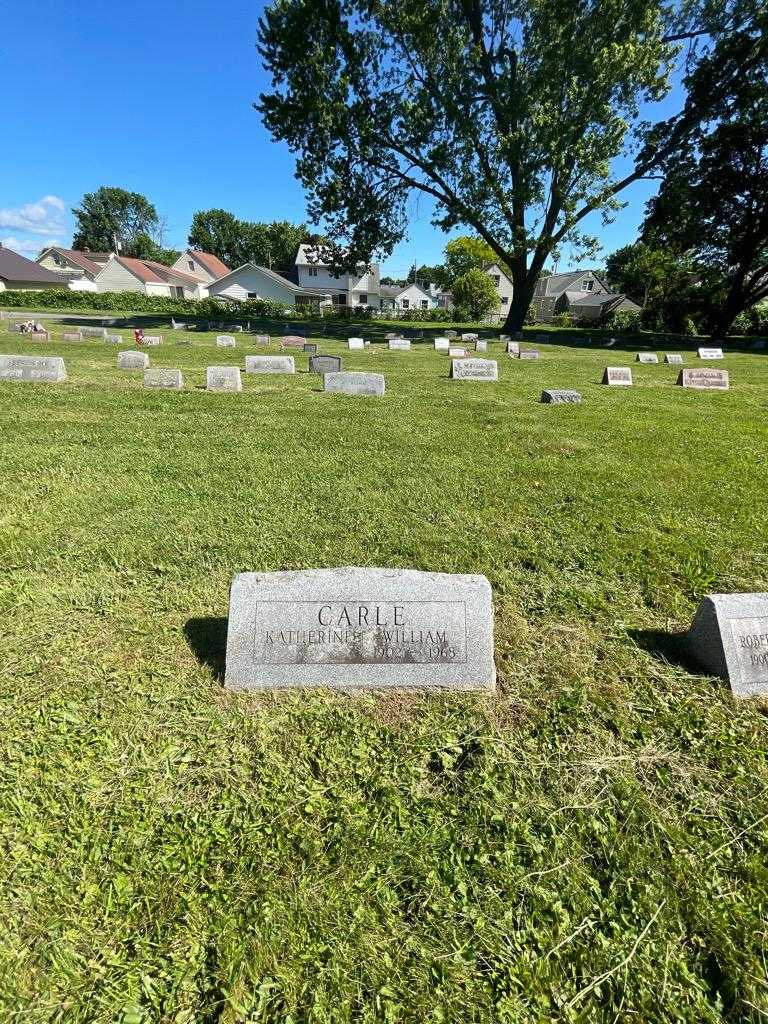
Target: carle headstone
[(261, 339), (223, 378), (225, 341), (647, 357), (705, 380), (399, 344), (474, 369), (354, 383), (160, 378), (94, 332), (673, 357), (131, 360), (560, 396), (443, 344), (729, 638), (37, 369), (114, 339), (355, 343), (359, 627), (617, 376), (469, 337), (310, 349), (325, 364), (710, 353), (269, 364)]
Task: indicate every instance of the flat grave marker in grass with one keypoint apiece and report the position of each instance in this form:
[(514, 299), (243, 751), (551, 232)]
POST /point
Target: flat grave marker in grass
[(132, 360), (270, 364), (225, 341), (673, 357), (729, 638), (710, 353), (163, 379), (705, 380), (72, 336), (350, 382), (528, 353), (325, 364), (360, 627), (647, 357), (617, 376), (114, 339), (474, 369), (560, 396), (457, 353), (223, 378), (36, 369)]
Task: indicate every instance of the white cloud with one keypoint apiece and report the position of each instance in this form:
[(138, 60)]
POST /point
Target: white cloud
[(27, 245), (39, 218)]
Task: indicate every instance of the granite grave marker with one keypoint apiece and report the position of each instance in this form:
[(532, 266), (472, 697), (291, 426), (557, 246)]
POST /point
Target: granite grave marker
[(729, 638), (350, 382)]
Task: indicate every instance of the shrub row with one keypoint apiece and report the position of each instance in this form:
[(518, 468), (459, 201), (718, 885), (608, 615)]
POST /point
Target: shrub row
[(118, 302)]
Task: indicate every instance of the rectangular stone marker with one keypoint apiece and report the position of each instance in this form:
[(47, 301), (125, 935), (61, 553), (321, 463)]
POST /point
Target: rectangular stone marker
[(673, 357), (469, 337), (72, 336), (50, 369), (353, 627), (528, 354), (710, 353), (617, 376), (400, 344), (457, 353), (647, 357), (153, 340), (225, 341), (269, 364), (729, 638), (325, 364), (261, 339), (442, 344), (356, 343), (38, 335), (560, 396), (481, 345), (223, 378), (310, 349), (474, 369), (132, 360), (513, 348), (293, 341), (168, 380), (351, 383), (704, 380), (114, 339), (94, 332)]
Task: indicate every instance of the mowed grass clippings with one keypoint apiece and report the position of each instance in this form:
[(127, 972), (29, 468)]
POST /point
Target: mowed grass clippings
[(589, 844)]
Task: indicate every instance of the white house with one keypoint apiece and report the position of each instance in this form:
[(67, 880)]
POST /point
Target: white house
[(412, 296), (254, 282), (78, 270), (203, 265), (121, 274), (361, 288), (503, 286)]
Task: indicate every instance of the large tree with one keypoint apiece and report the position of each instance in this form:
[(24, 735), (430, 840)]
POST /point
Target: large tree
[(239, 241), (111, 218), (509, 115)]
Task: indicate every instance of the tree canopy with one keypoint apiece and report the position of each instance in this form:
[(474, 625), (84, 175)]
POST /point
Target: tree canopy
[(508, 115), (237, 241), (113, 215), (475, 293)]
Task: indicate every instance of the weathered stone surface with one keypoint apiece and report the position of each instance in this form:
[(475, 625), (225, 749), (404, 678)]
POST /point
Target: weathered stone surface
[(355, 627), (647, 357), (354, 383), (293, 341), (450, 334), (325, 364), (270, 364), (356, 343), (399, 344), (560, 396), (153, 340), (469, 337), (474, 369), (131, 360), (673, 357), (704, 380), (72, 336), (729, 638), (617, 376), (710, 353), (310, 349), (481, 345), (513, 348), (528, 353), (114, 339), (168, 380), (457, 353), (225, 341), (45, 369), (443, 344), (94, 332), (223, 378), (261, 339)]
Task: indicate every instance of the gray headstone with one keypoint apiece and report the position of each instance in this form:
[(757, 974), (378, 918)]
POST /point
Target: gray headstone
[(353, 627), (469, 337), (72, 336), (560, 396), (704, 380), (647, 357), (729, 638), (513, 348), (94, 332), (474, 369), (261, 339), (399, 344), (481, 345), (449, 334), (225, 341), (131, 360), (673, 357), (443, 344), (153, 340), (617, 376), (310, 349), (325, 364), (269, 364), (168, 380), (356, 343), (457, 353), (114, 339), (529, 353), (352, 383), (223, 378), (50, 369), (293, 341), (710, 353)]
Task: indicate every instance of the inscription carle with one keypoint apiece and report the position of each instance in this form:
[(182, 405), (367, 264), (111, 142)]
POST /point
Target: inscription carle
[(360, 627)]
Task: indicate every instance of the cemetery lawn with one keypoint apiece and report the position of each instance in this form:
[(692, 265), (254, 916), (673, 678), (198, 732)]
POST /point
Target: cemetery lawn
[(589, 844)]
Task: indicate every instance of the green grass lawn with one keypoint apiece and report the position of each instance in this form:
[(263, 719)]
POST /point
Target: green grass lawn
[(589, 844)]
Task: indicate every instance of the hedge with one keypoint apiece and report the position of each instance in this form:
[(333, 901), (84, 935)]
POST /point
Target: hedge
[(119, 302)]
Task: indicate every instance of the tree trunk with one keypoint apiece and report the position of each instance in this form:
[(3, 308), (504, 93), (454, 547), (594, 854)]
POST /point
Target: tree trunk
[(722, 319), (518, 308)]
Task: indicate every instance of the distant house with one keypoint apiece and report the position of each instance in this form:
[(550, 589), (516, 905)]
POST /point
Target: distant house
[(203, 265), (20, 274), (503, 285), (581, 293), (418, 295), (254, 282), (361, 288), (78, 270), (121, 274)]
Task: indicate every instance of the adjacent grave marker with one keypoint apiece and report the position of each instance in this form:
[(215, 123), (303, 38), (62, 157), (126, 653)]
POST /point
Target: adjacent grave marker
[(617, 376), (168, 380), (705, 380), (269, 364), (356, 343), (310, 349), (94, 332), (72, 336), (513, 348), (131, 360), (481, 345), (152, 340), (293, 341), (223, 378), (349, 627), (354, 383), (710, 353), (528, 354), (400, 344), (469, 337), (457, 353), (261, 339), (673, 357), (647, 357), (474, 369), (325, 364), (443, 344), (225, 341), (46, 369), (729, 638), (114, 339), (560, 396)]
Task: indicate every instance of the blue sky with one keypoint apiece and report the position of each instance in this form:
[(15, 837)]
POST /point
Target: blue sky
[(157, 98)]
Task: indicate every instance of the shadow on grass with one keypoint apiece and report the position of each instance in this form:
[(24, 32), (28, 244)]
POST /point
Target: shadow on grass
[(670, 648), (207, 638)]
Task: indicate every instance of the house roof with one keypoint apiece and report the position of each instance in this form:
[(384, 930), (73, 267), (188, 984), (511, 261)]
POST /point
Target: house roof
[(14, 267), (277, 278), (140, 269), (169, 274), (603, 299), (216, 267), (556, 284), (80, 259)]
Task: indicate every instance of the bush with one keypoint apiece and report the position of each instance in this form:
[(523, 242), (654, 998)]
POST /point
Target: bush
[(623, 321), (421, 316), (563, 320), (476, 292), (119, 302)]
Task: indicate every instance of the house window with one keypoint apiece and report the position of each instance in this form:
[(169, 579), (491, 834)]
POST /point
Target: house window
[(312, 271), (363, 299), (253, 295), (505, 300), (58, 260), (406, 304), (587, 286), (424, 304), (191, 264)]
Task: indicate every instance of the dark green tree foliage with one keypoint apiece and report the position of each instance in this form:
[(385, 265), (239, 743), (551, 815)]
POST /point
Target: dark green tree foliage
[(713, 203), (143, 247), (508, 115), (238, 241), (111, 215), (475, 293)]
